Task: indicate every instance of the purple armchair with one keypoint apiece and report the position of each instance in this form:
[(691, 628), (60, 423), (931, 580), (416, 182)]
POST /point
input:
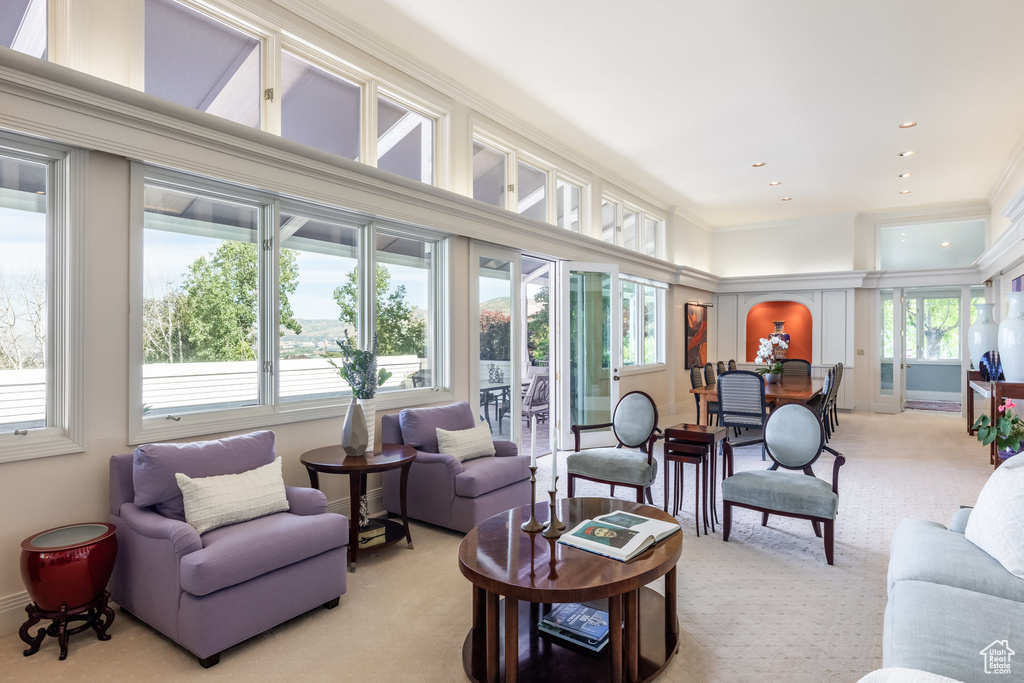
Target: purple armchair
[(442, 490), (211, 591)]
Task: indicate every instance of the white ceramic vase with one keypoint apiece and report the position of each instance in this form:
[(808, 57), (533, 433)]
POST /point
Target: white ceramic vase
[(369, 406), (1011, 338), (983, 334)]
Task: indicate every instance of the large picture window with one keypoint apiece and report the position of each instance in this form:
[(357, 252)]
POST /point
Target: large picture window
[(244, 296), (643, 306), (40, 299)]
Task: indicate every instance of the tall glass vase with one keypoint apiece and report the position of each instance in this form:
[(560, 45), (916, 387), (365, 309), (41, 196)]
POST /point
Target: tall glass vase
[(1011, 338)]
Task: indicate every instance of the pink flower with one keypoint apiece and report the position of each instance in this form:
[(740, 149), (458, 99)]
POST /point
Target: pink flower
[(1009, 404), (1002, 408)]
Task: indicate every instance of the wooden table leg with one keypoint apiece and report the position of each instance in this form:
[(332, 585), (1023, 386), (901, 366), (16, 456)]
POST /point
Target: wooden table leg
[(402, 488), (511, 639), (615, 636), (479, 619), (666, 468), (704, 492), (671, 620), (355, 494), (493, 653), (314, 477), (702, 411), (632, 633)]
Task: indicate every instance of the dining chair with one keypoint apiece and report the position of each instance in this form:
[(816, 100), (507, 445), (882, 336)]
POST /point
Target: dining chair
[(697, 381), (819, 404), (732, 364), (631, 461), (721, 367), (796, 367), (834, 411), (794, 438), (741, 403), (709, 374)]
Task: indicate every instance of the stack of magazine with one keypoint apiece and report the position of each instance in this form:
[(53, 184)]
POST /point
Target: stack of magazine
[(577, 625), (620, 535)]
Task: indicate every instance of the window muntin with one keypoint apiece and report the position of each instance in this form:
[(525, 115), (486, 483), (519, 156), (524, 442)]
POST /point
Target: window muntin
[(24, 215), (318, 302), (489, 174), (405, 141), (318, 108), (23, 26), (203, 63), (531, 192), (405, 286), (569, 198)]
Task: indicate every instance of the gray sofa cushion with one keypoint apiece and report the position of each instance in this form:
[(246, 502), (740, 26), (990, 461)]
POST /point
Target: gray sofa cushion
[(239, 552), (943, 630), (621, 465), (926, 551), (792, 492), (484, 475)]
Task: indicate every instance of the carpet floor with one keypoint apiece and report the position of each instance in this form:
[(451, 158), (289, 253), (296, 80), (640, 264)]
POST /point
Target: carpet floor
[(763, 607)]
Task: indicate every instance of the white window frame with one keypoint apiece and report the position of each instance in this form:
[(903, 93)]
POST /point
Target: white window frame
[(584, 209), (440, 137), (65, 298), (510, 166), (643, 284), (621, 206), (271, 410)]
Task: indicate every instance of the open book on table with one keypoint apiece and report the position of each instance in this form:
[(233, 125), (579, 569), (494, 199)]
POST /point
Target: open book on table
[(619, 535)]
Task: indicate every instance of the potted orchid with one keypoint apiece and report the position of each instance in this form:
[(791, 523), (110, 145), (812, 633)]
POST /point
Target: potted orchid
[(767, 354), (1007, 430)]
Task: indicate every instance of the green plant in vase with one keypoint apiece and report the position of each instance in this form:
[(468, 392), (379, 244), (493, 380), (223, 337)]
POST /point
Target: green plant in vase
[(1007, 430), (358, 367)]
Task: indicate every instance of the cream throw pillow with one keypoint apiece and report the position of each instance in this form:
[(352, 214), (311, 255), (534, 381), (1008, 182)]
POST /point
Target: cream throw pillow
[(996, 524), (212, 502), (466, 444)]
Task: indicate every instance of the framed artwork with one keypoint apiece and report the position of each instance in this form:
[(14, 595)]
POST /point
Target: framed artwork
[(696, 335)]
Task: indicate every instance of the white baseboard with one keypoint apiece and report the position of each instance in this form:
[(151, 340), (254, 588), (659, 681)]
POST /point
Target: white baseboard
[(933, 396), (374, 498), (12, 612)]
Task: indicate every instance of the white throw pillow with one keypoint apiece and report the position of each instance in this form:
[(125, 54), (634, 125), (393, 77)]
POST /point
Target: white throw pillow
[(996, 524), (465, 444), (212, 502)]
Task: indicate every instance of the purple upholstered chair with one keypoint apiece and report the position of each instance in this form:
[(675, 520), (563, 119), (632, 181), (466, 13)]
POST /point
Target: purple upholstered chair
[(442, 490), (211, 591)]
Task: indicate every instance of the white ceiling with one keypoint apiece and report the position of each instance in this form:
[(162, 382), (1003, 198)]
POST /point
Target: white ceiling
[(682, 96)]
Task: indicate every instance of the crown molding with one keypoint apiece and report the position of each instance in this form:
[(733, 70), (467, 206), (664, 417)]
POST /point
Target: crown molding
[(849, 279), (1016, 157), (698, 279), (953, 277), (1005, 253), (807, 220), (939, 212)]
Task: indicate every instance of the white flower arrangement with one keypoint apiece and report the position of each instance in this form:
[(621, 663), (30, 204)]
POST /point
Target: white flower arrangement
[(766, 355)]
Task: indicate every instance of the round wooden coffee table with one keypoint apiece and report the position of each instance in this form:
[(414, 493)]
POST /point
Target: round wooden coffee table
[(531, 571), (334, 460)]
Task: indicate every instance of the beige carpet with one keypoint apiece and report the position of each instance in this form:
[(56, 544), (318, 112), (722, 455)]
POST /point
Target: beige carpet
[(762, 607)]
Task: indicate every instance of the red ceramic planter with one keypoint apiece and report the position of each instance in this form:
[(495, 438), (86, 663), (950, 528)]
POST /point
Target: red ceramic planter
[(68, 565)]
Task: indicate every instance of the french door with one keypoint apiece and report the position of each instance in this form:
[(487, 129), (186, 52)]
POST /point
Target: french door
[(587, 378)]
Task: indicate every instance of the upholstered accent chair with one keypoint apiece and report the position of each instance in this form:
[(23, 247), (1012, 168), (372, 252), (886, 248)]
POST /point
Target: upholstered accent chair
[(796, 367), (210, 591), (794, 439), (741, 403), (630, 462), (441, 489)]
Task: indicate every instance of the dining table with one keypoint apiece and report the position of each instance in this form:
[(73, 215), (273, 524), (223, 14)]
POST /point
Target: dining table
[(791, 389)]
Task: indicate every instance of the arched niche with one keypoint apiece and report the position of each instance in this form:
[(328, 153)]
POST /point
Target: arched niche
[(799, 325)]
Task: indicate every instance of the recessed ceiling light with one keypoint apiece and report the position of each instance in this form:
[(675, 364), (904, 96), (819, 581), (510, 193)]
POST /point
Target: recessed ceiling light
[(907, 153), (786, 199), (904, 175), (908, 124), (904, 191), (759, 164), (944, 244), (775, 182)]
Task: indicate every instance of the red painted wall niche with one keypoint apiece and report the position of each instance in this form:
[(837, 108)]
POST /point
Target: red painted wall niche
[(799, 325)]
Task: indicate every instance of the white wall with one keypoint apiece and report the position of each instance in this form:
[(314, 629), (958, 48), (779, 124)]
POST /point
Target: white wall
[(815, 245)]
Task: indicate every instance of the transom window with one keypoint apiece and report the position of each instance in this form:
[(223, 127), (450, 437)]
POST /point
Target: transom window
[(629, 227), (319, 108)]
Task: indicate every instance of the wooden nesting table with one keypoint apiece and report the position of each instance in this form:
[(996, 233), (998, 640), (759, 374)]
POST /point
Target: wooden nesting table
[(531, 572)]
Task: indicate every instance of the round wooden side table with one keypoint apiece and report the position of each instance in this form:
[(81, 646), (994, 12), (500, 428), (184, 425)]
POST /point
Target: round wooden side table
[(334, 460), (65, 571), (529, 570)]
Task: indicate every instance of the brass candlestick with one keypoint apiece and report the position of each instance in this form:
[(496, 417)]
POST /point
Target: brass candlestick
[(554, 527), (532, 525)]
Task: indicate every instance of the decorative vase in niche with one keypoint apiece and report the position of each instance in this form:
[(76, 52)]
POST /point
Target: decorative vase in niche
[(772, 377), (983, 334), (1011, 338), (369, 406), (780, 333), (353, 431)]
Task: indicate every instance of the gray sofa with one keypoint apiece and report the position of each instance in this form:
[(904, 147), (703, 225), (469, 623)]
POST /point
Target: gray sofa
[(949, 601)]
